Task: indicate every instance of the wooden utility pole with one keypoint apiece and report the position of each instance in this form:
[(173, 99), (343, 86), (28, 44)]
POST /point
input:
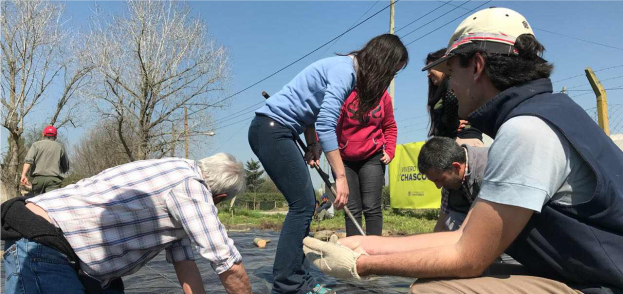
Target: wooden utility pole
[(391, 31), (185, 132), (602, 101)]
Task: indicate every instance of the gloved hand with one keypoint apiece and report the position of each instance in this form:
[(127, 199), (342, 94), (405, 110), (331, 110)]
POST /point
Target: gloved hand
[(331, 258), (354, 243)]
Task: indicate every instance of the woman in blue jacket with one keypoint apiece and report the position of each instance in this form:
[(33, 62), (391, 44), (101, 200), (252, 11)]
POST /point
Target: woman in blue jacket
[(311, 104)]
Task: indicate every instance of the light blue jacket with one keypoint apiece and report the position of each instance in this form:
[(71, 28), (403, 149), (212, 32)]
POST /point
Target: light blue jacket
[(314, 96)]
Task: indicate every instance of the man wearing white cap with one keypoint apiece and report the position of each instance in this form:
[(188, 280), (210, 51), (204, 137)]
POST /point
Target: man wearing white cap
[(552, 194)]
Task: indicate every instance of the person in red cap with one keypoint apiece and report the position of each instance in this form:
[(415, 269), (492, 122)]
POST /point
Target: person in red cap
[(49, 162)]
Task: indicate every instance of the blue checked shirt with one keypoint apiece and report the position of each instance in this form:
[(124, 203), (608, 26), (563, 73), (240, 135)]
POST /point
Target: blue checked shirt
[(123, 217)]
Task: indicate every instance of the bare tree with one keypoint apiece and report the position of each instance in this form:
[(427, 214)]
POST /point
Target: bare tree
[(152, 62), (98, 150), (36, 50)]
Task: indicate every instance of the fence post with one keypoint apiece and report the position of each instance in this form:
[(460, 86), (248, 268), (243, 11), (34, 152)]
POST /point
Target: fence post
[(602, 101)]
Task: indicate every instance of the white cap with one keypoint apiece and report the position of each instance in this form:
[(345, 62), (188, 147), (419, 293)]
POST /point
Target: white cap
[(493, 29)]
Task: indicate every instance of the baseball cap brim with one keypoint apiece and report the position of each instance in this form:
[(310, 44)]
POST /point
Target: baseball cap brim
[(440, 64)]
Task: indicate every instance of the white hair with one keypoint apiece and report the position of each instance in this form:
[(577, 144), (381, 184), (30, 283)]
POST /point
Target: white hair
[(223, 174)]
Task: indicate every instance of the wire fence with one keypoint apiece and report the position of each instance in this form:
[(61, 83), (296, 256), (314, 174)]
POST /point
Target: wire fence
[(261, 205), (615, 120)]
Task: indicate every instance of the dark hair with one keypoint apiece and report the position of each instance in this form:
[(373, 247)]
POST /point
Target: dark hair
[(434, 92), (378, 62), (439, 153), (508, 71)]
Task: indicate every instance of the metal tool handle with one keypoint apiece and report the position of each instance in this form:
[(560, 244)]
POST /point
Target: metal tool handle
[(325, 178)]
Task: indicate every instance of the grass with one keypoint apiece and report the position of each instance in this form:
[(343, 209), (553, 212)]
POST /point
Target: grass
[(395, 222)]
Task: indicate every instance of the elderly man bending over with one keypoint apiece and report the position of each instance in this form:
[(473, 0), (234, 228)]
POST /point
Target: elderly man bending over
[(112, 224)]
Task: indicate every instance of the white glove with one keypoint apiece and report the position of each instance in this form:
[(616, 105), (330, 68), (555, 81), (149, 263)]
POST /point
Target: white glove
[(332, 259)]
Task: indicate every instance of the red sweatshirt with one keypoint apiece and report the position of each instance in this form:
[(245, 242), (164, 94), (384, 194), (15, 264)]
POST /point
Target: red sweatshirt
[(358, 140)]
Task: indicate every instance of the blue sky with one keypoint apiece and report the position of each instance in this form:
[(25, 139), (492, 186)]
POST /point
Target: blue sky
[(263, 37)]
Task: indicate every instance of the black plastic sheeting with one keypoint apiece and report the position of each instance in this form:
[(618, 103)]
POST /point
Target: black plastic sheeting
[(158, 276)]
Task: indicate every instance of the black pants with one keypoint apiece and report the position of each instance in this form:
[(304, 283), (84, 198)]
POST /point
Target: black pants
[(365, 184)]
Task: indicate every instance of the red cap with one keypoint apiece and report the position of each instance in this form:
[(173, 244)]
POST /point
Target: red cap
[(49, 131)]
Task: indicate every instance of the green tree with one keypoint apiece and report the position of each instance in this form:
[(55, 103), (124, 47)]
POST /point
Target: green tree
[(268, 186), (254, 173)]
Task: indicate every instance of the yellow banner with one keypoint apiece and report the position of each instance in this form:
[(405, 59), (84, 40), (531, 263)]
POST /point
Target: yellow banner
[(408, 188)]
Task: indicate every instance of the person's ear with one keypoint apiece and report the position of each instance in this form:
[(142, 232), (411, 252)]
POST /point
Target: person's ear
[(456, 167), (218, 198), (478, 63)]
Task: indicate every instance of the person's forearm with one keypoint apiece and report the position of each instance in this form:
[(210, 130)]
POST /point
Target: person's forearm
[(441, 223), (437, 262), (310, 135), (25, 169), (376, 245), (335, 160), (235, 280), (189, 277)]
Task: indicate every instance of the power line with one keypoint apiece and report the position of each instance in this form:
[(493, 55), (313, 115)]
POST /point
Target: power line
[(442, 5), (581, 75), (585, 84), (237, 122), (447, 23), (587, 41), (244, 110), (610, 89), (453, 9), (325, 51), (233, 115), (415, 125), (238, 131), (411, 118), (411, 131), (310, 53), (455, 5), (620, 87)]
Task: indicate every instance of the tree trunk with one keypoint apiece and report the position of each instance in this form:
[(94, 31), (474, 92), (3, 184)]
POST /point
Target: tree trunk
[(14, 173), (143, 147)]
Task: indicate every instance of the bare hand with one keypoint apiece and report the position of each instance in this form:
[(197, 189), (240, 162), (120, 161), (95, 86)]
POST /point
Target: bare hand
[(312, 156), (462, 124), (341, 187), (385, 159), (24, 181)]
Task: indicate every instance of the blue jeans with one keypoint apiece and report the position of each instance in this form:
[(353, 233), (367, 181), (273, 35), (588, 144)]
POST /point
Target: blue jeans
[(34, 268), (275, 147)]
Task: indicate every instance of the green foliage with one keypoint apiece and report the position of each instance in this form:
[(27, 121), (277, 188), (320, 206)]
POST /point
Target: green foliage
[(254, 174), (430, 214), (393, 224), (267, 186), (72, 178), (385, 197), (260, 197)]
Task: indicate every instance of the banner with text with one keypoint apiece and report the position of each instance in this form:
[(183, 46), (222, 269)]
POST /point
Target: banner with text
[(408, 188)]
